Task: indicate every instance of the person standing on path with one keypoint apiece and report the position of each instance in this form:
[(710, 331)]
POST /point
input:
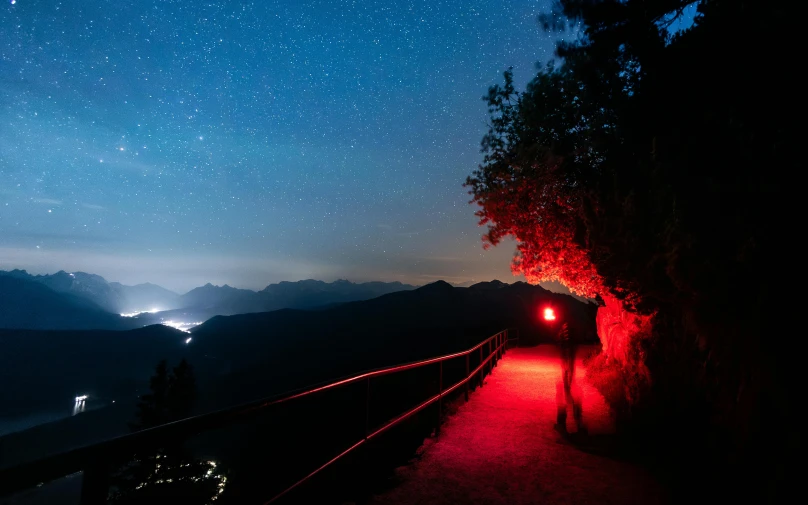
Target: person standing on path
[(567, 346)]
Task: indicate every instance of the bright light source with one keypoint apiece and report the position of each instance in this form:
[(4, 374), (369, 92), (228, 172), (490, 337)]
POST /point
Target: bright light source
[(81, 398), (139, 312), (180, 325), (188, 340), (549, 314)]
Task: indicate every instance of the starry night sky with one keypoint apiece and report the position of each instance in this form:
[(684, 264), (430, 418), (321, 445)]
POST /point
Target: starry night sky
[(184, 142)]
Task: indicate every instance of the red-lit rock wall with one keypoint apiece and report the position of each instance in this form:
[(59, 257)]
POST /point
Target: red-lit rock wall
[(615, 326), (621, 333)]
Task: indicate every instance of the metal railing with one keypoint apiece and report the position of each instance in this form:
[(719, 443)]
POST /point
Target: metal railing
[(97, 461)]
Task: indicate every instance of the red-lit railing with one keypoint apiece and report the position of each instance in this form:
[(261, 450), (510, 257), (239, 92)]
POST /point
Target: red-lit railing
[(496, 345), (95, 461)]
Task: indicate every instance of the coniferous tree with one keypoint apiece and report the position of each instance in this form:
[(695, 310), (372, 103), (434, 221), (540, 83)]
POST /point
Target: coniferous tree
[(168, 470)]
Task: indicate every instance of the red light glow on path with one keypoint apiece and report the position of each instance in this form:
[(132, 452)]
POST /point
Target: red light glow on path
[(501, 448)]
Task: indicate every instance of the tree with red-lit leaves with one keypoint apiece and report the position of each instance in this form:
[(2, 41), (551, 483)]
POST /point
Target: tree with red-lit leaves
[(528, 187), (650, 168)]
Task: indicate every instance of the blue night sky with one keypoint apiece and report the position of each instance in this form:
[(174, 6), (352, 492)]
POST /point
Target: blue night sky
[(184, 142)]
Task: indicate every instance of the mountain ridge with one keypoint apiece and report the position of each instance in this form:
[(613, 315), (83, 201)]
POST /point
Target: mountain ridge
[(27, 304), (154, 304)]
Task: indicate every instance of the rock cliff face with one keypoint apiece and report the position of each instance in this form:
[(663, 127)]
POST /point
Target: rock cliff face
[(621, 334), (616, 327)]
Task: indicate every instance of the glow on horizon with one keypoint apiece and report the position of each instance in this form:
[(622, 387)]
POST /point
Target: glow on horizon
[(181, 325), (137, 313)]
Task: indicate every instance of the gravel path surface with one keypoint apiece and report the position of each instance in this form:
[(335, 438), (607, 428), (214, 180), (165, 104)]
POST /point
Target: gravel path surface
[(502, 447)]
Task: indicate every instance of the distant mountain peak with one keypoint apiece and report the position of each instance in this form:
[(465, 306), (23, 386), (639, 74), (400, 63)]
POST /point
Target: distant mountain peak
[(113, 297), (31, 303), (494, 284), (437, 286)]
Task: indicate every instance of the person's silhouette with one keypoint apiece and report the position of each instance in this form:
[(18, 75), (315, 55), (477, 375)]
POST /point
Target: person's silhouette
[(567, 346)]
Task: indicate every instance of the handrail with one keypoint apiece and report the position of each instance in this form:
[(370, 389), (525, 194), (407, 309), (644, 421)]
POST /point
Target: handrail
[(95, 459)]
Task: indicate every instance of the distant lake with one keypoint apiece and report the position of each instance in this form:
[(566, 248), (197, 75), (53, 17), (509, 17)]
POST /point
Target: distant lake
[(11, 424)]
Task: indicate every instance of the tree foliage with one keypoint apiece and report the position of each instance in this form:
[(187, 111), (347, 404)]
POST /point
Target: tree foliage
[(171, 398), (169, 470)]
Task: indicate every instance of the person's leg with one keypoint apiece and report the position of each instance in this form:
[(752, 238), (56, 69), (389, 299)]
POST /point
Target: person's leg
[(561, 407), (571, 358), (568, 369), (567, 380), (575, 402)]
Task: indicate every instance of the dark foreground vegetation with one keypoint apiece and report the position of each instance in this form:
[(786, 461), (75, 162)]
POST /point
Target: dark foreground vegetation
[(260, 455), (649, 168)]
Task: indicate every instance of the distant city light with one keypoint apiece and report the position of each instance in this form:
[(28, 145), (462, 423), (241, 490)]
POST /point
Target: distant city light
[(138, 312), (158, 476), (80, 404), (180, 325)]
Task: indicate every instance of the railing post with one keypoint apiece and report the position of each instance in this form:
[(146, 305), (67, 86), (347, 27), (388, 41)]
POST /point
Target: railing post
[(95, 484), (482, 368), (468, 379), (367, 409), (440, 396)]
